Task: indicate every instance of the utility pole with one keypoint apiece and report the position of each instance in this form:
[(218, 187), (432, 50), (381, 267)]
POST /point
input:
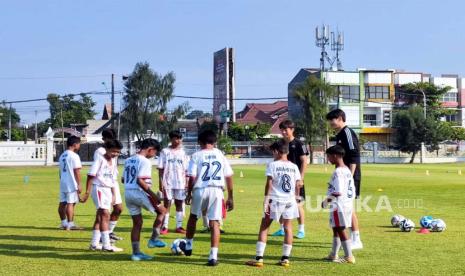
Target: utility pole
[(35, 127), (112, 100), (9, 124), (62, 128)]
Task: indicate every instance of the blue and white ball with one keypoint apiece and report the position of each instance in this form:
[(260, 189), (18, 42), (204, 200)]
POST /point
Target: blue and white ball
[(425, 221), (178, 246), (396, 219), (407, 225), (438, 225)]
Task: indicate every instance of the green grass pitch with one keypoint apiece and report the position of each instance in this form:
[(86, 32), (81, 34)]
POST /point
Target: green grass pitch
[(30, 242)]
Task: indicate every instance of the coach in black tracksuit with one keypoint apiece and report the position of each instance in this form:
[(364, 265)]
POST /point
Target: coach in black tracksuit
[(348, 139)]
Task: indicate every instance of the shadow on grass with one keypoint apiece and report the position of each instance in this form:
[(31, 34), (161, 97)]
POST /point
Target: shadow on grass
[(29, 227), (40, 238)]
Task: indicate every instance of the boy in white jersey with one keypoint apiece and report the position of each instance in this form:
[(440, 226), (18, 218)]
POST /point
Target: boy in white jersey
[(102, 176), (172, 168), (137, 178), (110, 134), (70, 183), (281, 193), (341, 195), (208, 171)]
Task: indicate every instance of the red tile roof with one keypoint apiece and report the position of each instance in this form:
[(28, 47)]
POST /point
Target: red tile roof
[(272, 113)]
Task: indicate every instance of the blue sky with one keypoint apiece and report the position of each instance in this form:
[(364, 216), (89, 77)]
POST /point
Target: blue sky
[(74, 46)]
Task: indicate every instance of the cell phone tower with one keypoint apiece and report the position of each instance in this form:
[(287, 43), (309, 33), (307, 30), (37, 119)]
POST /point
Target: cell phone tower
[(324, 38)]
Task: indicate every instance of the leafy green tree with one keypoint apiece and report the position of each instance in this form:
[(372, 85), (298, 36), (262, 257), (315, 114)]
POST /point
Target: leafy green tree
[(72, 111), (411, 96), (225, 144), (313, 95), (262, 130), (147, 94), (4, 118)]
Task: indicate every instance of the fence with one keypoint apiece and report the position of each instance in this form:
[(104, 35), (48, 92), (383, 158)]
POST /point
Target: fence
[(19, 154)]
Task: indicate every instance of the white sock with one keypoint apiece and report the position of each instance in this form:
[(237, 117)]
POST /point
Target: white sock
[(346, 245), (355, 235), (64, 222), (213, 253), (95, 237), (301, 227), (70, 224), (112, 225), (106, 239), (189, 244), (282, 227), (179, 218), (166, 220), (287, 249), (205, 221), (260, 248), (336, 246)]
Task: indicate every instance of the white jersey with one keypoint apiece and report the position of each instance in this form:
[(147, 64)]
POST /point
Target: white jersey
[(285, 175), (137, 167), (342, 187), (210, 167), (174, 165), (104, 172), (99, 152), (69, 161)]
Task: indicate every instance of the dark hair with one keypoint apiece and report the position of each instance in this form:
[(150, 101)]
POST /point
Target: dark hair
[(286, 124), (108, 133), (337, 150), (281, 146), (113, 144), (72, 140), (149, 143), (175, 134), (207, 137), (336, 113)]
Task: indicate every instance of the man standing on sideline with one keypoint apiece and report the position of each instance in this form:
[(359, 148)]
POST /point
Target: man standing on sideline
[(347, 138), (297, 155)]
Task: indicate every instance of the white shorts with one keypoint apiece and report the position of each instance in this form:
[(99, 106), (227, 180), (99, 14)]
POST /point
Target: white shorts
[(286, 210), (137, 199), (118, 199), (69, 197), (102, 197), (208, 201), (340, 218), (177, 194)]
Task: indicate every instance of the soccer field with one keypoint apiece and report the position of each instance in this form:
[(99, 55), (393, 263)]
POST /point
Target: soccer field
[(30, 242)]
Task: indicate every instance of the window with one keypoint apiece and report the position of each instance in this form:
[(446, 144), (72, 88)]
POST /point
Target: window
[(450, 97), (349, 93), (369, 119), (387, 116), (451, 118), (377, 92)]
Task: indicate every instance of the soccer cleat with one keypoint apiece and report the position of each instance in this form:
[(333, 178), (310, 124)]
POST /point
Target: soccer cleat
[(114, 237), (73, 228), (180, 230), (164, 231), (222, 230), (346, 260), (112, 248), (278, 233), (212, 262), (141, 257), (284, 262), (300, 235), (155, 243), (255, 262), (62, 227), (95, 247), (205, 230), (357, 245), (331, 258)]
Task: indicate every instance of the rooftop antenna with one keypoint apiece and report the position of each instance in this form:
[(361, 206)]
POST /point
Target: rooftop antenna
[(321, 41), (337, 45), (323, 38)]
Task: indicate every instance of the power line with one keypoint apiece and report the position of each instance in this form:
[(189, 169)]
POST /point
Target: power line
[(54, 77)]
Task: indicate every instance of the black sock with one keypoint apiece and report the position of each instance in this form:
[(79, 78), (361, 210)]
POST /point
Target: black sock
[(258, 258), (284, 258)]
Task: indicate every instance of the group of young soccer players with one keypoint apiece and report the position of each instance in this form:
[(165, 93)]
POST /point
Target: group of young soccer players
[(201, 182)]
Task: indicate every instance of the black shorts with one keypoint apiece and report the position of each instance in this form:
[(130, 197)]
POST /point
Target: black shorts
[(302, 193), (357, 188)]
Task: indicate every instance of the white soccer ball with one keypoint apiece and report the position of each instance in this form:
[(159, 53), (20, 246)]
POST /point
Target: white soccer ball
[(407, 225), (178, 246), (438, 225), (396, 219)]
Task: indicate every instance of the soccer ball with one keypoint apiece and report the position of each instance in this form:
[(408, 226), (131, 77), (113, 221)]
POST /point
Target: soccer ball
[(407, 225), (425, 221), (438, 225), (178, 246), (396, 219)]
